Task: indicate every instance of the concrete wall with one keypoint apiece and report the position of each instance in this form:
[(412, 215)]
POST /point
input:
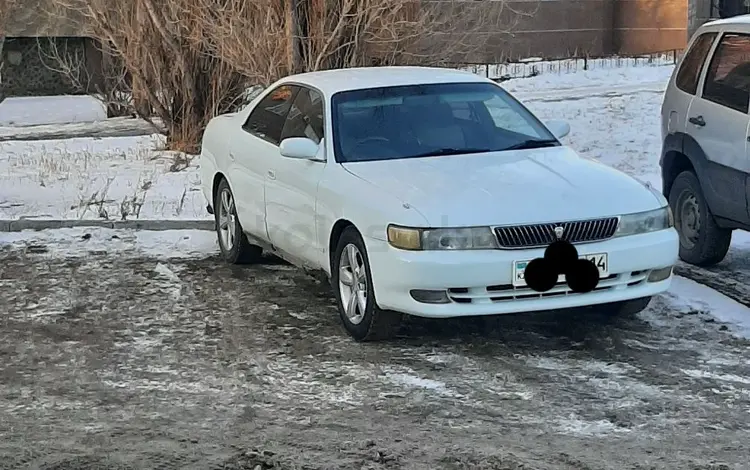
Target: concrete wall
[(29, 69)]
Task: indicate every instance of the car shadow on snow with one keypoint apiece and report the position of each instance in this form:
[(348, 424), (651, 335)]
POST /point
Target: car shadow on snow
[(548, 329)]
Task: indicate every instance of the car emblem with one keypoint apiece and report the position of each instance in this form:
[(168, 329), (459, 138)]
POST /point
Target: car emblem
[(559, 231)]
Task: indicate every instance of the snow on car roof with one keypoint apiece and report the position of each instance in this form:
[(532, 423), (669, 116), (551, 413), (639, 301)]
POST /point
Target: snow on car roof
[(332, 81)]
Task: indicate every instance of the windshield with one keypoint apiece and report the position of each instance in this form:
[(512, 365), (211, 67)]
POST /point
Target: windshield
[(431, 120)]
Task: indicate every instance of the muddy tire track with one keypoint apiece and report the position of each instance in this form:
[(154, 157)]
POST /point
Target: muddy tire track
[(130, 362)]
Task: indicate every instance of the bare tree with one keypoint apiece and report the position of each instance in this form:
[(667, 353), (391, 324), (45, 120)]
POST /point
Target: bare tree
[(189, 60), (356, 33), (7, 10)]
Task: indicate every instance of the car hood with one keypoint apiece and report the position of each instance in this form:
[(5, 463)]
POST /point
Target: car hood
[(510, 187)]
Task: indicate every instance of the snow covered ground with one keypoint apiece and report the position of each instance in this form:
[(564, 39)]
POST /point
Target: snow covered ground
[(97, 178), (187, 361), (140, 334), (32, 111), (129, 177)]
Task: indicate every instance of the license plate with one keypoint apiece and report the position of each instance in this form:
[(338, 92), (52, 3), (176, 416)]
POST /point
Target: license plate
[(599, 259)]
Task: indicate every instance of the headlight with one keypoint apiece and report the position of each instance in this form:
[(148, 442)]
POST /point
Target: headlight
[(644, 222), (469, 238)]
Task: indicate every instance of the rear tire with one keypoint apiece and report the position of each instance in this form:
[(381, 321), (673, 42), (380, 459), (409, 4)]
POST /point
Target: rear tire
[(353, 288), (233, 243), (702, 241)]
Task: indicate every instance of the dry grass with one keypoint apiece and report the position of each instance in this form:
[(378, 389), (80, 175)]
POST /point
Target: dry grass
[(111, 184)]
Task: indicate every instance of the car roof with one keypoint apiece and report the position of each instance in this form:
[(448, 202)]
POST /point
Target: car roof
[(333, 81), (741, 22)]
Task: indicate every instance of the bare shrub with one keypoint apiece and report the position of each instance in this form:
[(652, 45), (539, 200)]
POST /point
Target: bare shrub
[(112, 87), (189, 60)]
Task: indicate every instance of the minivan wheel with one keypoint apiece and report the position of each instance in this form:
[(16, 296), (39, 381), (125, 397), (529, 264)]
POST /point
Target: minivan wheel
[(233, 243), (353, 288), (702, 241)]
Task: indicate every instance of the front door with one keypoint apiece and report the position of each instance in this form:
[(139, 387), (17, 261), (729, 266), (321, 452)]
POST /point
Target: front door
[(292, 185), (252, 153)]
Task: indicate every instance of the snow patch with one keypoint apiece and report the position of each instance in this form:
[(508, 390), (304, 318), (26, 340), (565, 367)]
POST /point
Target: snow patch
[(70, 242), (45, 110), (410, 379), (591, 366), (110, 178), (702, 374), (174, 284), (576, 426), (685, 294)]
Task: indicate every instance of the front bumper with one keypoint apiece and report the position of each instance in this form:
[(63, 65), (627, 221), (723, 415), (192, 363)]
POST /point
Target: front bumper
[(479, 282)]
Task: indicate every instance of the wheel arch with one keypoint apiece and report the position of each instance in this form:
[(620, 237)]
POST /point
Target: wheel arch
[(336, 231), (675, 162), (218, 178), (681, 152)]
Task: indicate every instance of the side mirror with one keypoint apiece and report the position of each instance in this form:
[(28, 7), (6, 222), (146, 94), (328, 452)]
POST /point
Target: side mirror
[(558, 128), (300, 148)]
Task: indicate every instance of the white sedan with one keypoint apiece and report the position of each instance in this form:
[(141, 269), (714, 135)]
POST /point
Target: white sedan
[(426, 191)]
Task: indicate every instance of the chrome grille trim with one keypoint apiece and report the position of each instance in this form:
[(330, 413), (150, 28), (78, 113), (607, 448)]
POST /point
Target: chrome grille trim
[(539, 235)]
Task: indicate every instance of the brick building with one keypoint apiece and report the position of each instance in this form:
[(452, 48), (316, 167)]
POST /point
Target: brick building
[(557, 29)]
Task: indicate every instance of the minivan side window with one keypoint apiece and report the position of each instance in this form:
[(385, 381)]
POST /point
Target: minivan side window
[(728, 78), (692, 64), (267, 119)]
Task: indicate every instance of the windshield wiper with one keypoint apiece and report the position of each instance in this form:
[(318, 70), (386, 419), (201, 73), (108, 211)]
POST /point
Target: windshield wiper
[(449, 151), (533, 144)]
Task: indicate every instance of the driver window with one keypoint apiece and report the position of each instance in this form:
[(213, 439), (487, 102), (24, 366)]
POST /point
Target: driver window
[(267, 119), (305, 118)]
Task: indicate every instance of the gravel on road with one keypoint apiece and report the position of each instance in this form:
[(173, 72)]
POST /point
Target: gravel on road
[(121, 361)]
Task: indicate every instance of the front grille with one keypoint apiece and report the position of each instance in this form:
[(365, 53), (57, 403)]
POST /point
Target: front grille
[(509, 293), (538, 235)]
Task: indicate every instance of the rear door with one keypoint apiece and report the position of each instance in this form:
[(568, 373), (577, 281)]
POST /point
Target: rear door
[(718, 121), (684, 86)]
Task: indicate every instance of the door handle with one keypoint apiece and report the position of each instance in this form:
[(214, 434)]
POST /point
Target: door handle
[(697, 120), (271, 175), (231, 156)]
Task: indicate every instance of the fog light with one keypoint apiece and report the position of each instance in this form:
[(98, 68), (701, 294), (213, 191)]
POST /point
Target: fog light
[(430, 296), (660, 274)]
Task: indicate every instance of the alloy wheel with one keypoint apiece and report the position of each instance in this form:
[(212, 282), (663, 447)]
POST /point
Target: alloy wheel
[(353, 288), (227, 220)]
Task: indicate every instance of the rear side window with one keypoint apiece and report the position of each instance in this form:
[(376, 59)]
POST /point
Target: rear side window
[(692, 63), (267, 119), (728, 78)]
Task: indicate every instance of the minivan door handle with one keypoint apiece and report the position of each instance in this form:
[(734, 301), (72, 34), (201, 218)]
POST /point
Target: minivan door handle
[(697, 120)]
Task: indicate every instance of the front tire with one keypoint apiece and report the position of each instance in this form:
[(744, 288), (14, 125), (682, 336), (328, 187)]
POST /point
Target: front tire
[(353, 288), (233, 243), (702, 241)]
